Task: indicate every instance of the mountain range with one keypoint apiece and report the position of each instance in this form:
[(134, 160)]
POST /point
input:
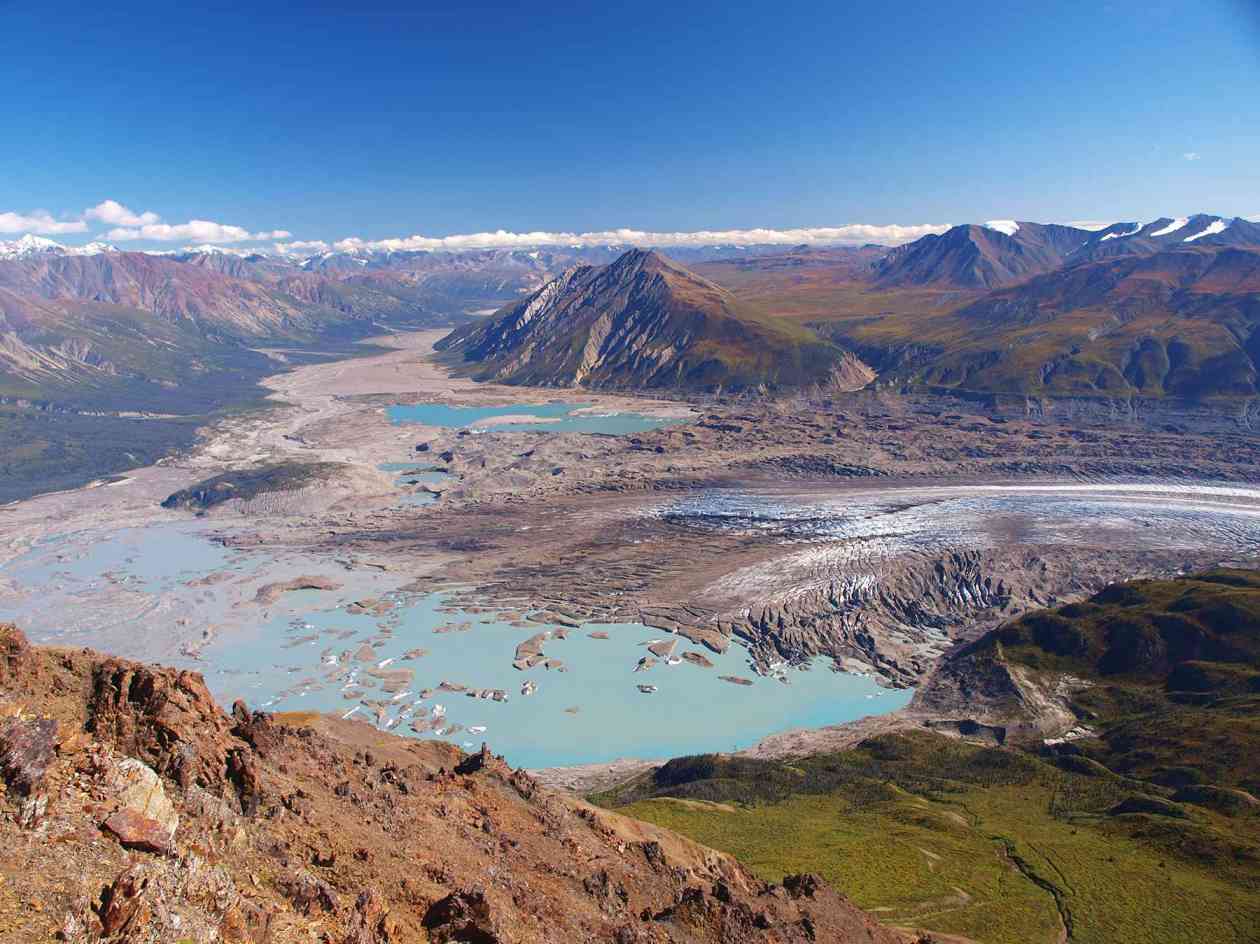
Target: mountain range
[(1001, 253), (998, 253), (1168, 308), (1162, 308)]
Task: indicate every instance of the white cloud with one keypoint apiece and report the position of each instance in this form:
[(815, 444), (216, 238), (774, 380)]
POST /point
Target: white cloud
[(130, 225), (1192, 155), (853, 233), (194, 231), (115, 214), (302, 247), (38, 221)]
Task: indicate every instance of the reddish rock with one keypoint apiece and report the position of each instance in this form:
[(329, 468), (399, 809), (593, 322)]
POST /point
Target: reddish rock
[(136, 831), (255, 728), (233, 929), (18, 666), (371, 922)]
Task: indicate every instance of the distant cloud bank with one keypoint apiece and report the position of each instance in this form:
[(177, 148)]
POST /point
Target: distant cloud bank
[(118, 223), (853, 234), (202, 231), (123, 224)]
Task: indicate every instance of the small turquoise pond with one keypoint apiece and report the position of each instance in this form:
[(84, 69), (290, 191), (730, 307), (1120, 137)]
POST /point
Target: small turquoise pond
[(553, 417)]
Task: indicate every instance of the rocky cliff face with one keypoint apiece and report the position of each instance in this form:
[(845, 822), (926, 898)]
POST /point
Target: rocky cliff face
[(641, 322), (135, 810)]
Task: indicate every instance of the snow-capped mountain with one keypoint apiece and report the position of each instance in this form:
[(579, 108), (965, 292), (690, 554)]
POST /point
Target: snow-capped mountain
[(1168, 233), (1001, 253), (35, 246)]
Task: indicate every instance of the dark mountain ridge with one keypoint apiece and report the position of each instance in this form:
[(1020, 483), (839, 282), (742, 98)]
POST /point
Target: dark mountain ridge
[(974, 256)]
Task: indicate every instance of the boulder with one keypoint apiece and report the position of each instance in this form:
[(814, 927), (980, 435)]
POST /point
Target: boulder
[(145, 818), (134, 831)]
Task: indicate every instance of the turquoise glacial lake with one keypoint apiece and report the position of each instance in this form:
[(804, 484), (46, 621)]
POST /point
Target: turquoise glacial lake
[(553, 417), (126, 590), (592, 711)]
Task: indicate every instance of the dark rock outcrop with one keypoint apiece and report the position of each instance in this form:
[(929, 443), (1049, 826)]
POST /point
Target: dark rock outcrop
[(165, 717)]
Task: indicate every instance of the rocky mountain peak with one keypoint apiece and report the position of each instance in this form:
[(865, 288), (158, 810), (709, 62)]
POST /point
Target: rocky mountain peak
[(641, 321), (635, 261)]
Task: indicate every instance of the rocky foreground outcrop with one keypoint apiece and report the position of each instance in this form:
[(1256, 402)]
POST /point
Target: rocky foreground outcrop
[(135, 810)]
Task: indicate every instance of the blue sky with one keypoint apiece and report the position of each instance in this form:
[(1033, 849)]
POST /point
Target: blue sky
[(373, 119)]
